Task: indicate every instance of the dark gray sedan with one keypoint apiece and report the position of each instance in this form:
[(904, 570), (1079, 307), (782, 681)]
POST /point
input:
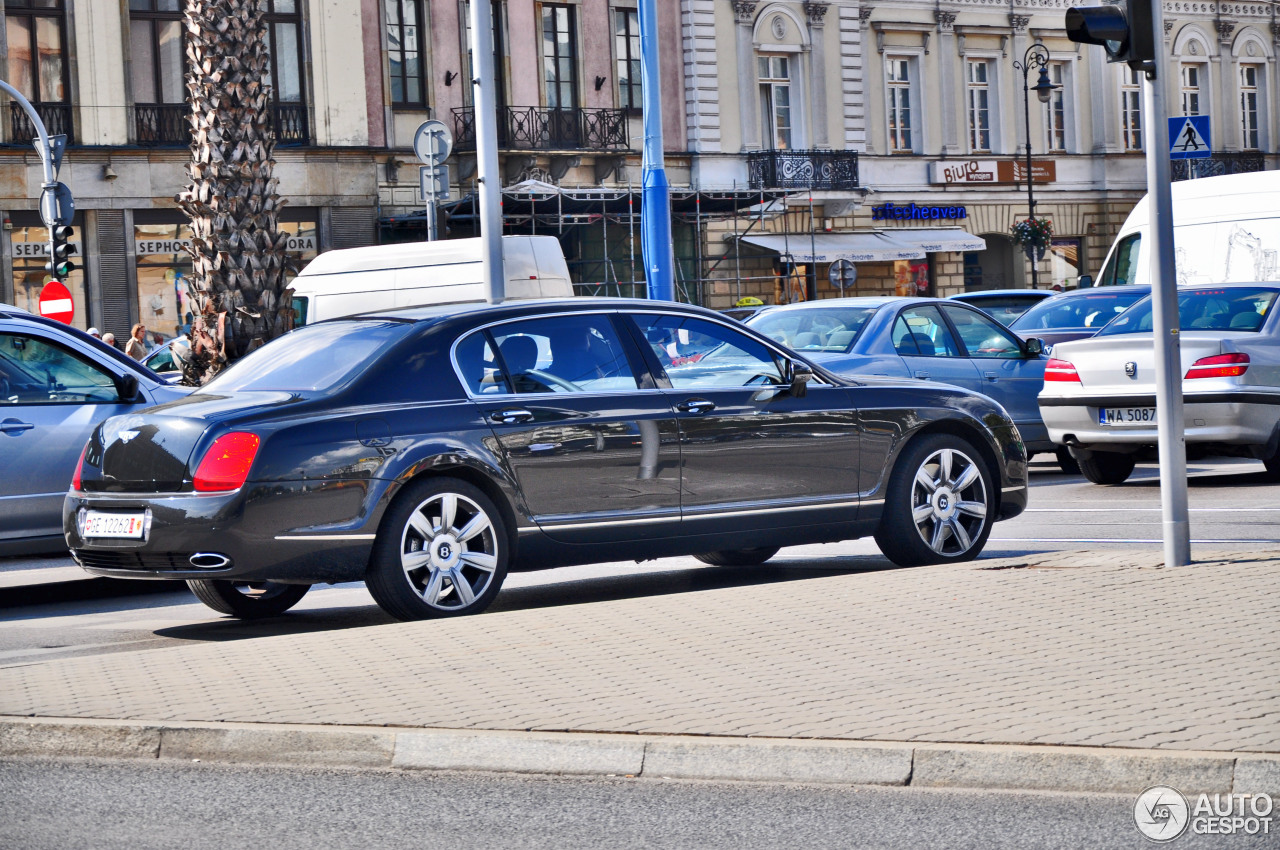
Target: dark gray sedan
[(429, 451), (56, 384)]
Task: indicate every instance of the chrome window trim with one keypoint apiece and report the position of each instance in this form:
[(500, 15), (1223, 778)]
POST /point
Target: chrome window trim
[(728, 324)]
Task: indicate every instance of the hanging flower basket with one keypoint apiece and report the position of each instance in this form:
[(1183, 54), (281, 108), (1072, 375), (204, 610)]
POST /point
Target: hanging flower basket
[(1033, 234)]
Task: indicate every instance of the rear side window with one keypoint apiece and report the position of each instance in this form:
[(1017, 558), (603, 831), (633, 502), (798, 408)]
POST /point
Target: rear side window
[(920, 332), (1122, 267), (317, 358)]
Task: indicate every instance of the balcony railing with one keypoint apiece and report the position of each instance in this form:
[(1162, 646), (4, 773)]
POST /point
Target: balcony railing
[(803, 169), (56, 118), (545, 128), (161, 124), (290, 121), (1217, 165)]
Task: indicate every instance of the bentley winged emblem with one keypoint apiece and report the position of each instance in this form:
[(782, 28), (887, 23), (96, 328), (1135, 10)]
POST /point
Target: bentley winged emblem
[(126, 436)]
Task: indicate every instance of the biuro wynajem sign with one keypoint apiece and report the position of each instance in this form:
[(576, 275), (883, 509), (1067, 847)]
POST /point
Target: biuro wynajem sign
[(988, 171)]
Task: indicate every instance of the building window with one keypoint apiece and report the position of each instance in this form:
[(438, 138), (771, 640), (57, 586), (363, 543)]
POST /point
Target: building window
[(775, 101), (626, 37), (978, 96), (898, 79), (1131, 110), (1191, 76), (1250, 136), (406, 27), (36, 41), (157, 69), (1056, 116), (284, 37), (560, 56)]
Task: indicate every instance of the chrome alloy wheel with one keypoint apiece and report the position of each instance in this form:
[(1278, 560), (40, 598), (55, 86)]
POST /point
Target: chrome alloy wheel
[(449, 551), (949, 502)]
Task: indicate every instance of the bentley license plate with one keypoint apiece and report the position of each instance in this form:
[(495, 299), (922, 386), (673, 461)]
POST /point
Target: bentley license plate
[(97, 524), (1126, 415)]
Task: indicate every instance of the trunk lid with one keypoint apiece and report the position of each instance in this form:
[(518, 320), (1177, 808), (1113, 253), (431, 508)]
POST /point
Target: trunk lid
[(1101, 361)]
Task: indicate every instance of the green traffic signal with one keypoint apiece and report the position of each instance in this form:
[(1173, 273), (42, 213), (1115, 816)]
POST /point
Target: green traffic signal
[(60, 251)]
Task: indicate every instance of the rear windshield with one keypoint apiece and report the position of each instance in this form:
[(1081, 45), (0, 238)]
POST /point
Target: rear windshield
[(316, 358), (833, 330), (1236, 309), (1076, 311)]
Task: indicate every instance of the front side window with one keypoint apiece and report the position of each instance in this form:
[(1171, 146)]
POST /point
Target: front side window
[(775, 101), (557, 354), (982, 337), (1191, 94), (35, 371), (1249, 85), (898, 81), (698, 354), (1122, 267), (626, 37), (921, 332), (406, 28), (1131, 110), (978, 94), (1056, 116)]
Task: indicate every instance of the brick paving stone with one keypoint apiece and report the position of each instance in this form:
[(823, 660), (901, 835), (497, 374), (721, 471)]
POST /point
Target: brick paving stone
[(1091, 648)]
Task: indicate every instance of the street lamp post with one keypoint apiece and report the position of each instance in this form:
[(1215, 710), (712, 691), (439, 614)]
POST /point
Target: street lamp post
[(1037, 56)]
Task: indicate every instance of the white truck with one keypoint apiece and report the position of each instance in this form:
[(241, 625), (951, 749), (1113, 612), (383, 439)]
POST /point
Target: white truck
[(382, 277)]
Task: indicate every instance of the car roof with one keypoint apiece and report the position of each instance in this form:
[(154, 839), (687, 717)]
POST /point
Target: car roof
[(1003, 293), (438, 312)]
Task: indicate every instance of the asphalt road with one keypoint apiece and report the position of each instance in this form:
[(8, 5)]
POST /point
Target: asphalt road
[(64, 805), (1229, 502)]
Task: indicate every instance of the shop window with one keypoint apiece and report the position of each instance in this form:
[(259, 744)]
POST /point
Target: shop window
[(406, 28), (1064, 263)]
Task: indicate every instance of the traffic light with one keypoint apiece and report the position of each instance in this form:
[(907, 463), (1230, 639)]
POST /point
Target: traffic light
[(60, 251), (1125, 30)]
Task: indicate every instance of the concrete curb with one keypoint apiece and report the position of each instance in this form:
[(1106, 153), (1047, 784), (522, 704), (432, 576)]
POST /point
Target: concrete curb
[(1008, 767)]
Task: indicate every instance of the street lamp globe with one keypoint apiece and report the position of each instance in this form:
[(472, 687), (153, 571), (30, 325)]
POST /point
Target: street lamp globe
[(1043, 87)]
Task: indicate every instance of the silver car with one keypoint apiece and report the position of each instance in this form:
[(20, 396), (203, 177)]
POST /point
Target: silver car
[(1099, 393)]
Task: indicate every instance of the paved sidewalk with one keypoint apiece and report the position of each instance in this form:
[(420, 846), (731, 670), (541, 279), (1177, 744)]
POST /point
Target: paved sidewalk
[(1079, 649)]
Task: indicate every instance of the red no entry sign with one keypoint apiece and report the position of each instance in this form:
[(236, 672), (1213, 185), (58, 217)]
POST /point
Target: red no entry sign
[(55, 302)]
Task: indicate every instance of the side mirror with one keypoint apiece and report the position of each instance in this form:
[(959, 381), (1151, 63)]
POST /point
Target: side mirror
[(126, 387), (1033, 346), (1084, 281), (801, 375)]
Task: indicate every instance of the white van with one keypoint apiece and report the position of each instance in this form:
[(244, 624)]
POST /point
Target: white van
[(1225, 230), (415, 274)]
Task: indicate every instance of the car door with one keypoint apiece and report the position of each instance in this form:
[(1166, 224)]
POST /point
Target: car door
[(590, 440), (50, 400), (929, 349), (749, 447), (1009, 375)]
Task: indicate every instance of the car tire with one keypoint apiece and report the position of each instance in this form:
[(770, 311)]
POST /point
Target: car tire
[(939, 504), (247, 600), (1107, 467), (1273, 468), (1066, 462), (442, 551), (738, 557)]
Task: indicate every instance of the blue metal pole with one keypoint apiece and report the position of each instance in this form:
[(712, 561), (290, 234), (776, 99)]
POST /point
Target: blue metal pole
[(655, 192)]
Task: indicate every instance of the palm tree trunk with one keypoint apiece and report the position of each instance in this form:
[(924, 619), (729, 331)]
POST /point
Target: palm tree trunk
[(237, 287)]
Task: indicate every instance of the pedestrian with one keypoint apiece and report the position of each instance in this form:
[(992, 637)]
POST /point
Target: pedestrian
[(136, 347), (94, 332), (157, 341), (109, 338)]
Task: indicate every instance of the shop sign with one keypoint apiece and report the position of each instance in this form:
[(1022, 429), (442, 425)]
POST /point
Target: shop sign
[(40, 250), (982, 171), (915, 212), (142, 247)]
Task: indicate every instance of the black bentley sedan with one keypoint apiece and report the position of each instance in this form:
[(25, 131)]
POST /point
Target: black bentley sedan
[(429, 451)]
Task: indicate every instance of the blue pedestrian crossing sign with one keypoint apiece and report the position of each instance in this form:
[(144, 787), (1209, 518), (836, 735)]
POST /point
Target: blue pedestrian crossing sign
[(1189, 137)]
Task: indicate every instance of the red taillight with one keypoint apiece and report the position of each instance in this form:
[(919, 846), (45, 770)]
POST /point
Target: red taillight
[(75, 479), (1060, 370), (1219, 366), (226, 465)]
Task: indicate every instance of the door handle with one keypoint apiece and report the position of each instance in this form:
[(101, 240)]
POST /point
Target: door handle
[(696, 405), (991, 376), (924, 376), (13, 426), (507, 417)]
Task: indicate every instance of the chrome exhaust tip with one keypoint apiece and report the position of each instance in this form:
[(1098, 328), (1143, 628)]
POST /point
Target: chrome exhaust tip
[(209, 561)]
